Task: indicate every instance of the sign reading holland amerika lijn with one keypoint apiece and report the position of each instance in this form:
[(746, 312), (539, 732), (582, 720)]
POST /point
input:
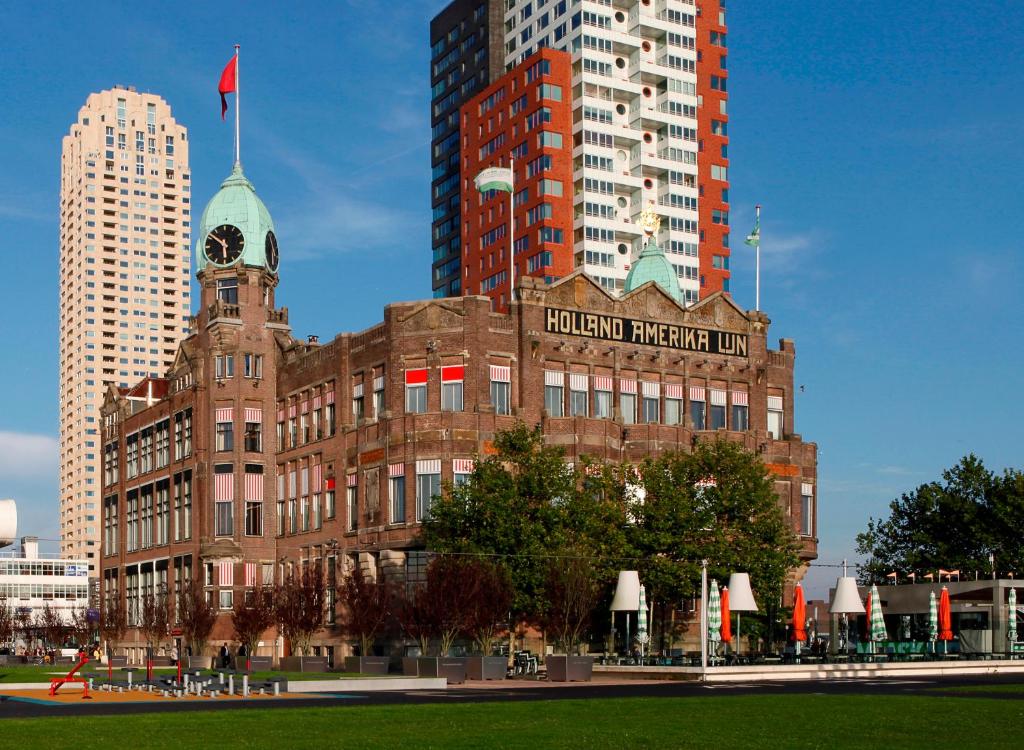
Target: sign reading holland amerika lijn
[(646, 332)]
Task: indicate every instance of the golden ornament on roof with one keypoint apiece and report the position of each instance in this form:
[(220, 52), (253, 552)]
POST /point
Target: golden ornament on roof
[(649, 220)]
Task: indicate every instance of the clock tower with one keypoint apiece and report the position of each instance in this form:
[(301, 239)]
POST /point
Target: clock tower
[(239, 338)]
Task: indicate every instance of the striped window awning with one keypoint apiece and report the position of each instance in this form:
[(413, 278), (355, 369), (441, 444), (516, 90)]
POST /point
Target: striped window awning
[(226, 573), (223, 487), (717, 397), (453, 374), (627, 385), (650, 390), (775, 403), (603, 383), (673, 390), (378, 383), (577, 381), (429, 466), (253, 487), (305, 407), (280, 415), (225, 415), (254, 415), (500, 374), (329, 397), (317, 402), (807, 489), (292, 410), (554, 378), (696, 393), (250, 575), (462, 465), (351, 480), (740, 398), (396, 470), (416, 377), (357, 390)]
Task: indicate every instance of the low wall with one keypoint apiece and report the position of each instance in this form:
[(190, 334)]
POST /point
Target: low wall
[(370, 683)]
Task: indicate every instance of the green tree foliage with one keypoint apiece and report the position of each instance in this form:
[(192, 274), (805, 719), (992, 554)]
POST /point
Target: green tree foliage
[(951, 524)]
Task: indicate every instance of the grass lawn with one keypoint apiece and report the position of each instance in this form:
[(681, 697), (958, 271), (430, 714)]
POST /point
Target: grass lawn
[(770, 721)]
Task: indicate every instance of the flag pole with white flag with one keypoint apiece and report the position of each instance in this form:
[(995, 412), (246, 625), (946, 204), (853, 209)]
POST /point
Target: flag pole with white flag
[(754, 239), (501, 178)]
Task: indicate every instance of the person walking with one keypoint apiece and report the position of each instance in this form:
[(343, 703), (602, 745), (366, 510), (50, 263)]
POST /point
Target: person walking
[(225, 656), (174, 656)]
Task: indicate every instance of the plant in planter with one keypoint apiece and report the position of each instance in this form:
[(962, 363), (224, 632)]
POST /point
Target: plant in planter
[(300, 605), (154, 618), (414, 618), (252, 616), (572, 591), (113, 625), (197, 618), (367, 607), (488, 611)]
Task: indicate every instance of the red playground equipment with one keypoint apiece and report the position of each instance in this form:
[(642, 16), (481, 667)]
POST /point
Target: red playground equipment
[(57, 682)]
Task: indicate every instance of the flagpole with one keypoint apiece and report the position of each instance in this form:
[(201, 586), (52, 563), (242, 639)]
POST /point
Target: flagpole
[(238, 132), (757, 255), (511, 230)]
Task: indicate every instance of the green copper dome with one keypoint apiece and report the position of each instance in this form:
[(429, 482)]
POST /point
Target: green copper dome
[(237, 205), (652, 265)]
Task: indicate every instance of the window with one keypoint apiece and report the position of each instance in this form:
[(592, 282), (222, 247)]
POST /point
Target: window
[(110, 525), (806, 509), (183, 506), (253, 433), (416, 391), (775, 417), (146, 517), (396, 493), (227, 598), (352, 503), (550, 234), (252, 366), (451, 388), (253, 500), (554, 393), (428, 486), (697, 410), (358, 403), (549, 91), (227, 291), (329, 423), (547, 138), (717, 409), (602, 397), (501, 389), (224, 366), (224, 497), (225, 430), (740, 414), (330, 509), (550, 187), (163, 511), (378, 397), (651, 401), (578, 394), (132, 521), (673, 404)]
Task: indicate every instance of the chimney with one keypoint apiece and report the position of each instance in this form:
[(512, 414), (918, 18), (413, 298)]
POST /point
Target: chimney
[(312, 339), (30, 547)]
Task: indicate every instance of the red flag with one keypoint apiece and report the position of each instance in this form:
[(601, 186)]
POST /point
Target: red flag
[(227, 83)]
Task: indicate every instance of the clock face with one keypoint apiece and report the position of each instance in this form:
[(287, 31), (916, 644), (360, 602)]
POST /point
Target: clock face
[(224, 244), (270, 248)]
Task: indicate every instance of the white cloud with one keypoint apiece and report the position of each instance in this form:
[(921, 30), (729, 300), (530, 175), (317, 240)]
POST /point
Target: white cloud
[(27, 455)]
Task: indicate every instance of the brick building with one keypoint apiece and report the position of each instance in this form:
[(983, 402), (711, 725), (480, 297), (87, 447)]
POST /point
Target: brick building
[(259, 451)]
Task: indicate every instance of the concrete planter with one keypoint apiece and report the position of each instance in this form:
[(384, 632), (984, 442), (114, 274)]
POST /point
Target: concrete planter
[(191, 662), (411, 666), (562, 668), (303, 664), (486, 667), (258, 663), (451, 668), (367, 664)]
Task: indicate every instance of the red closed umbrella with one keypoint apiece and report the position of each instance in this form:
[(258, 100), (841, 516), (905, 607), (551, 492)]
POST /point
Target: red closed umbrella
[(726, 620), (945, 618), (799, 615)]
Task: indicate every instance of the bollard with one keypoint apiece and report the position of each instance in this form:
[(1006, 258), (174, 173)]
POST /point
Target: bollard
[(277, 689), (185, 679), (90, 683), (129, 679), (245, 686), (231, 684), (221, 676), (213, 693)]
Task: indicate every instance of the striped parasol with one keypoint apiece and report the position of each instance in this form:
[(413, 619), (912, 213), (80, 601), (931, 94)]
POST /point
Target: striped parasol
[(933, 618), (714, 614), (877, 621), (641, 621), (1011, 623)]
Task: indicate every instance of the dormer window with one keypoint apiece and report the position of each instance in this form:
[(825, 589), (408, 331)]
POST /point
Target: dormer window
[(227, 290)]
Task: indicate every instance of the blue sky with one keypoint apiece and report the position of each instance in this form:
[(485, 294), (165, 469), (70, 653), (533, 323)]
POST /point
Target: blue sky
[(882, 139)]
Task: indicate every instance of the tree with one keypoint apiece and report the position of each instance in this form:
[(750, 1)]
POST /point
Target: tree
[(367, 606), (300, 606), (489, 609), (195, 615), (252, 616), (7, 622), (953, 524), (81, 627), (154, 618), (415, 615), (113, 622), (572, 590), (51, 625), (512, 508)]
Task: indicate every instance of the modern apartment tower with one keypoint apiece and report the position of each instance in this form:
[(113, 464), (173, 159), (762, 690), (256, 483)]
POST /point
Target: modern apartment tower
[(124, 279), (648, 98), (466, 53)]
